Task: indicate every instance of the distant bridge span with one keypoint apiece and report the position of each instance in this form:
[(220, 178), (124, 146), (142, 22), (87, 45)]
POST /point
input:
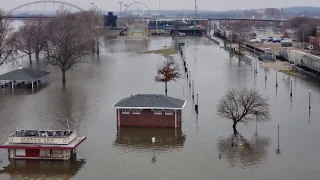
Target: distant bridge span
[(48, 1)]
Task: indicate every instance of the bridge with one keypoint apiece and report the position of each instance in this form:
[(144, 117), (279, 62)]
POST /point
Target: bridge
[(246, 19), (63, 4)]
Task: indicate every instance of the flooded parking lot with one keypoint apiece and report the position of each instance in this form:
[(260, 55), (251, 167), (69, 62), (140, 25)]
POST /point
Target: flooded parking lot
[(195, 151)]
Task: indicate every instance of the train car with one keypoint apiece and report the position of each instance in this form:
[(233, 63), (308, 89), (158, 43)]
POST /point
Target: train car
[(305, 60)]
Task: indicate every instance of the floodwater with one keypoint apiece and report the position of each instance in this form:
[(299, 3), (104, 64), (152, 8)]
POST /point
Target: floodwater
[(194, 152)]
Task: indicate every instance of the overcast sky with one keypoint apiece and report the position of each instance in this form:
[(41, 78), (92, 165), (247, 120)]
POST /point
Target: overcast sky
[(215, 5)]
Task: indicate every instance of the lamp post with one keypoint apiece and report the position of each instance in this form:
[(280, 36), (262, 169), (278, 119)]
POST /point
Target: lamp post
[(120, 2)]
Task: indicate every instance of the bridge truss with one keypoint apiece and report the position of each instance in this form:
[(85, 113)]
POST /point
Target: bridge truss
[(45, 2)]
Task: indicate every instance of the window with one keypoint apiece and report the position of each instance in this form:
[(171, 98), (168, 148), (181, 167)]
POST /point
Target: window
[(20, 152), (125, 111), (169, 112), (135, 111), (57, 153), (44, 152), (157, 111)]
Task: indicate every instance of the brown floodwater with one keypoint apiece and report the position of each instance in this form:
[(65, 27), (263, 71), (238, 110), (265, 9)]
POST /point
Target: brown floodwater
[(193, 152)]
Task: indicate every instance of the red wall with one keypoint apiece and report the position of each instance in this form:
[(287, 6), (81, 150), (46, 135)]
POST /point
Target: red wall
[(147, 118)]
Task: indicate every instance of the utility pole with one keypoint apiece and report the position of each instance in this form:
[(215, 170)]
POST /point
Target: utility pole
[(120, 2), (159, 7), (195, 8)]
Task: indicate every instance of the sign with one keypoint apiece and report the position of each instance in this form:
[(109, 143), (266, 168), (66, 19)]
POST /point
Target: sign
[(153, 139), (38, 140)]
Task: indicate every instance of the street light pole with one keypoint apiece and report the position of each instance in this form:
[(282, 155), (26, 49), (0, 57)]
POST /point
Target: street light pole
[(120, 2)]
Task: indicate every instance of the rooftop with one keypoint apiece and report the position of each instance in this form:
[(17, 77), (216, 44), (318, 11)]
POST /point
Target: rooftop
[(154, 101), (42, 133), (23, 74)]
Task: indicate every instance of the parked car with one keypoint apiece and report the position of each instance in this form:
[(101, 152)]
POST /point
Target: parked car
[(276, 40), (256, 40), (270, 39)]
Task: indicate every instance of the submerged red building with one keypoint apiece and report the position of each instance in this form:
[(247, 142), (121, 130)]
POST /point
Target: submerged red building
[(149, 110), (42, 144)]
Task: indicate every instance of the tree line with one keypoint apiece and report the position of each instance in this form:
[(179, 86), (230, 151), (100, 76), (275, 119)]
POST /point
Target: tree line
[(62, 41)]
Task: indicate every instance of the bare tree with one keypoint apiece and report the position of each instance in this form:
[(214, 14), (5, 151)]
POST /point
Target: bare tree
[(38, 35), (66, 44), (23, 40), (93, 23), (301, 27), (7, 47), (239, 34), (176, 25), (243, 106), (166, 72)]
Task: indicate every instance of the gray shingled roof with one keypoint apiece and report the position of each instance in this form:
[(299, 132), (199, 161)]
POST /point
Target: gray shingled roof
[(23, 74), (149, 101)]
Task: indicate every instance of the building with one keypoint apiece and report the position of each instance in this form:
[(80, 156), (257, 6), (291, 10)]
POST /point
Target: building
[(42, 144), (138, 30), (315, 40), (252, 14), (273, 13), (110, 20), (149, 110)]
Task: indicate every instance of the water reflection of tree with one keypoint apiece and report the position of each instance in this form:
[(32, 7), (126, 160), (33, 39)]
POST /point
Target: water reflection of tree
[(139, 139), (240, 151)]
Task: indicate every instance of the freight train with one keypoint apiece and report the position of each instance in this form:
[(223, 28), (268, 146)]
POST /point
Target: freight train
[(305, 60)]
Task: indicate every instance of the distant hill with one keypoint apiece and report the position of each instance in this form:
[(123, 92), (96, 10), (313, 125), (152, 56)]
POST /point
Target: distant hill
[(300, 9)]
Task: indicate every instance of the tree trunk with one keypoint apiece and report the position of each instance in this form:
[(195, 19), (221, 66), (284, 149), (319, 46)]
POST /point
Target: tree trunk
[(37, 55), (63, 77), (30, 58), (93, 51), (98, 51), (235, 127), (166, 89)]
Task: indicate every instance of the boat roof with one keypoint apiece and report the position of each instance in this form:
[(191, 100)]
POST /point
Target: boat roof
[(72, 145), (42, 133)]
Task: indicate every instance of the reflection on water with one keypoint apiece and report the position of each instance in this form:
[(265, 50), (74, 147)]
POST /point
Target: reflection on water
[(36, 169), (244, 152), (139, 139)]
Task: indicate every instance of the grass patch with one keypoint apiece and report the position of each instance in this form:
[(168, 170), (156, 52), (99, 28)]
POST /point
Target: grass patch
[(164, 52)]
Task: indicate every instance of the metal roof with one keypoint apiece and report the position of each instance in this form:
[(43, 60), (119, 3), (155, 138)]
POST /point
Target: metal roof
[(154, 101), (24, 74)]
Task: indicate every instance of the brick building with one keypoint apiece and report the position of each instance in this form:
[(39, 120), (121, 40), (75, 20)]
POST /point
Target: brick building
[(149, 110), (315, 40)]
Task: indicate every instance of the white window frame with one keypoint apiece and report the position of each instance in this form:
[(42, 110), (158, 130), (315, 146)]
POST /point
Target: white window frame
[(136, 111), (168, 112), (156, 111), (44, 153), (125, 111)]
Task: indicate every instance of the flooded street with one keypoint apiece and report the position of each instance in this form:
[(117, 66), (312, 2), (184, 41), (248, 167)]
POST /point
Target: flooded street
[(190, 153)]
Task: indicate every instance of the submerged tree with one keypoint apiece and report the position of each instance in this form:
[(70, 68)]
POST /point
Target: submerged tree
[(166, 72), (38, 35), (66, 44), (23, 41), (93, 23), (243, 106), (7, 47)]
